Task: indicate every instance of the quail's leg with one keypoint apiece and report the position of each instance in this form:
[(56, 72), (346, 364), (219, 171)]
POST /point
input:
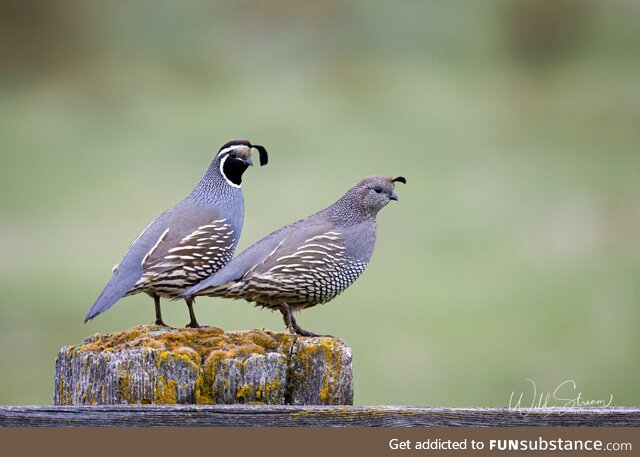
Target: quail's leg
[(286, 316), (300, 331), (192, 315), (156, 300)]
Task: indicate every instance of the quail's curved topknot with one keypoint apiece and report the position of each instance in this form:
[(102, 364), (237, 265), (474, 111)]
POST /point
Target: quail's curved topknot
[(264, 157)]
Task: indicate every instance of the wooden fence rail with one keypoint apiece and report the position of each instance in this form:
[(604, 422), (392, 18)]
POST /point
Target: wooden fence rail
[(310, 416)]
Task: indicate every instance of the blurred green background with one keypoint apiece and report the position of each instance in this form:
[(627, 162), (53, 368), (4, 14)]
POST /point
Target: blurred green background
[(513, 253)]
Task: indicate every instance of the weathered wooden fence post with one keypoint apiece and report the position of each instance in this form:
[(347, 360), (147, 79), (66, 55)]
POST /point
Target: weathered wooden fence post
[(158, 365)]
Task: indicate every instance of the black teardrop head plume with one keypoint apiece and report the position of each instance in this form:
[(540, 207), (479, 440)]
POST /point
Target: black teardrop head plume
[(399, 179), (264, 158)]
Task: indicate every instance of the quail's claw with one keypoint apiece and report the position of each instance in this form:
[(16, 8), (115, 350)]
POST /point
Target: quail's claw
[(196, 325)]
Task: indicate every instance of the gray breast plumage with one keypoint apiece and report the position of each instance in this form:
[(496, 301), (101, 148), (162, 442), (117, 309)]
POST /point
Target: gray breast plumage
[(314, 273)]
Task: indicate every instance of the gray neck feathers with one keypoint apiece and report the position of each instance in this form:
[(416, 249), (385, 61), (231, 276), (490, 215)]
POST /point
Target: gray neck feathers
[(213, 187), (349, 210)]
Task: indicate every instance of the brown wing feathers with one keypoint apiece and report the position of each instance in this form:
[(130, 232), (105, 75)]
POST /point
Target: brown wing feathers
[(195, 257)]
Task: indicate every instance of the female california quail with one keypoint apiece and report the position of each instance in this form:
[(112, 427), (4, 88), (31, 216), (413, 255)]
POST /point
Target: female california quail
[(188, 242), (310, 261)]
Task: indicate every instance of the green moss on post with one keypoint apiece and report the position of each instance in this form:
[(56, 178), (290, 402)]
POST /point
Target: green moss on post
[(158, 365)]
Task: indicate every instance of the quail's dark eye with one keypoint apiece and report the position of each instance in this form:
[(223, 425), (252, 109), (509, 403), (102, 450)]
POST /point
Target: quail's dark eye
[(232, 155), (377, 189)]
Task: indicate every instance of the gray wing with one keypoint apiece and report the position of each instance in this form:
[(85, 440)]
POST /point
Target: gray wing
[(186, 254), (244, 262), (152, 252), (304, 264)]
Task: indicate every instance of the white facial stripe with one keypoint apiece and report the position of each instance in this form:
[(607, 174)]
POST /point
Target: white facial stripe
[(233, 148), (224, 159)]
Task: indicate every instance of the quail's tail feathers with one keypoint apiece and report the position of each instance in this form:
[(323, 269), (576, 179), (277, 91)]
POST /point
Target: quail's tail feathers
[(117, 287), (206, 284)]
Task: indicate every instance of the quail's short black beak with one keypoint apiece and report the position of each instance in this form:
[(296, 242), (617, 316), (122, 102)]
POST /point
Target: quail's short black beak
[(393, 196), (248, 161)]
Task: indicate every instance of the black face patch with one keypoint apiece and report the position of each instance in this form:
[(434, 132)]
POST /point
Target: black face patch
[(233, 168)]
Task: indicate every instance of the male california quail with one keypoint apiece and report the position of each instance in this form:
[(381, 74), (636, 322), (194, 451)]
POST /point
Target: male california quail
[(188, 242), (310, 261)]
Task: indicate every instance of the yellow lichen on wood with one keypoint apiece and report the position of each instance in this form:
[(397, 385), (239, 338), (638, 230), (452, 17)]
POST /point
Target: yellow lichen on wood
[(159, 365), (166, 391), (332, 358), (317, 372), (270, 387), (191, 342), (245, 391), (203, 391), (162, 357), (125, 386), (64, 393)]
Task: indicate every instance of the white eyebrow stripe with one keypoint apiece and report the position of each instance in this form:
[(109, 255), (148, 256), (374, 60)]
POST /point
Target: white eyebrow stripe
[(233, 147)]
